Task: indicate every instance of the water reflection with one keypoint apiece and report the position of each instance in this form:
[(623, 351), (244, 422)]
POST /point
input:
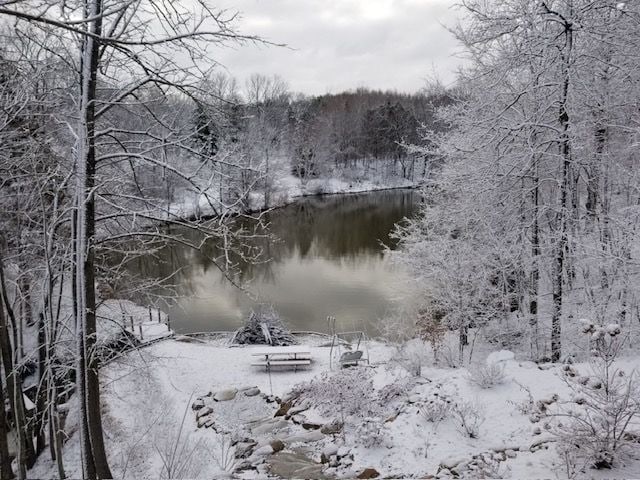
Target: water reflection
[(328, 260)]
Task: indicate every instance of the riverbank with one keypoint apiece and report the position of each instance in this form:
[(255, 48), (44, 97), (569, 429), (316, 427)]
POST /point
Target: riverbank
[(226, 418), (286, 190)]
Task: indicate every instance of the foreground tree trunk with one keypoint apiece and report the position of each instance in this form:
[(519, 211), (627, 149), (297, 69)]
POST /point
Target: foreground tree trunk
[(94, 454)]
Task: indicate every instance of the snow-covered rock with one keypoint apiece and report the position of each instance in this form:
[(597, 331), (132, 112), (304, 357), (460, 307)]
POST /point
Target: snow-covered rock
[(225, 395), (500, 356)]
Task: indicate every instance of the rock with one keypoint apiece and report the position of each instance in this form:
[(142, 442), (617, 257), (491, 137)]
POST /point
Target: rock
[(252, 392), (244, 449), (298, 409), (500, 356), (332, 428), (308, 437), (415, 398), (198, 404), (333, 461), (204, 412), (368, 473), (263, 451), (330, 450), (324, 458), (294, 465), (283, 410), (225, 395), (392, 418), (276, 445), (269, 427), (311, 426), (510, 453), (343, 452)]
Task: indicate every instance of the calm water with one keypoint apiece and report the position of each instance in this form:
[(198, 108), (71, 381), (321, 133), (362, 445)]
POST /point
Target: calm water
[(328, 261)]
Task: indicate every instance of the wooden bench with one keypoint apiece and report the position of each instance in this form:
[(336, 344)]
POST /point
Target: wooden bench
[(283, 357)]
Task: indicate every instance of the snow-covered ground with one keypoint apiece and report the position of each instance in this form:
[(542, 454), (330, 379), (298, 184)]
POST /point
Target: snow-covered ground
[(154, 398)]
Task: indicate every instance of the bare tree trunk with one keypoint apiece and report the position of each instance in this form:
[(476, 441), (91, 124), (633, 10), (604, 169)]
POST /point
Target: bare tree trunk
[(85, 268), (5, 461), (535, 270), (26, 452)]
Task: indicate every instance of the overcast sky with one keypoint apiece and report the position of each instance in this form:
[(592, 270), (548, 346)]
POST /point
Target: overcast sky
[(337, 45)]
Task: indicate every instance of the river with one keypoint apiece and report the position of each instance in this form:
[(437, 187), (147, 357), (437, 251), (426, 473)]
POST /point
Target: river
[(328, 260)]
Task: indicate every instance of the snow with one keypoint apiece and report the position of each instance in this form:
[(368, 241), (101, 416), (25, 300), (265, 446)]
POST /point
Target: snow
[(147, 392), (285, 190), (500, 356)]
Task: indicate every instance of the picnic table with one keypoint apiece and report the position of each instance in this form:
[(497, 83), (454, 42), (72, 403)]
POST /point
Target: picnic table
[(295, 356)]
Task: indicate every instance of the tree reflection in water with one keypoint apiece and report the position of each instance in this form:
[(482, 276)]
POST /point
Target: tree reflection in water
[(326, 259)]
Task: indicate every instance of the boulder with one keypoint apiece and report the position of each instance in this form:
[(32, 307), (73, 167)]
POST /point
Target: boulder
[(244, 449), (283, 410), (252, 392), (276, 445), (308, 437), (332, 427), (225, 395), (311, 426), (369, 473)]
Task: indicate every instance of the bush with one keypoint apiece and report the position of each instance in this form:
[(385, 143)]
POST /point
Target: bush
[(348, 391), (370, 433), (592, 425), (487, 375), (471, 417)]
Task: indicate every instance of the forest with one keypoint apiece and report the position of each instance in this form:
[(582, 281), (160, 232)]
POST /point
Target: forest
[(121, 136)]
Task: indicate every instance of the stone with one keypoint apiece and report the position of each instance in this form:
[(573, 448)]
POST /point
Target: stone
[(252, 392), (415, 398), (244, 449), (269, 427), (225, 395), (392, 418), (330, 450), (311, 426), (298, 409), (198, 404), (203, 412), (283, 410), (308, 437), (276, 445), (510, 453), (369, 473), (332, 428), (263, 451), (294, 465), (343, 452)]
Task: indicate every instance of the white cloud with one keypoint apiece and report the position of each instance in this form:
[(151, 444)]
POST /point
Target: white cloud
[(341, 44)]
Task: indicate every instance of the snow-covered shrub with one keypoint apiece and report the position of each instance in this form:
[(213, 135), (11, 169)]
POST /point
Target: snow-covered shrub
[(370, 433), (431, 329), (470, 416), (412, 355), (592, 425), (348, 392), (264, 327), (397, 390), (486, 465), (526, 406), (487, 375), (437, 405)]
